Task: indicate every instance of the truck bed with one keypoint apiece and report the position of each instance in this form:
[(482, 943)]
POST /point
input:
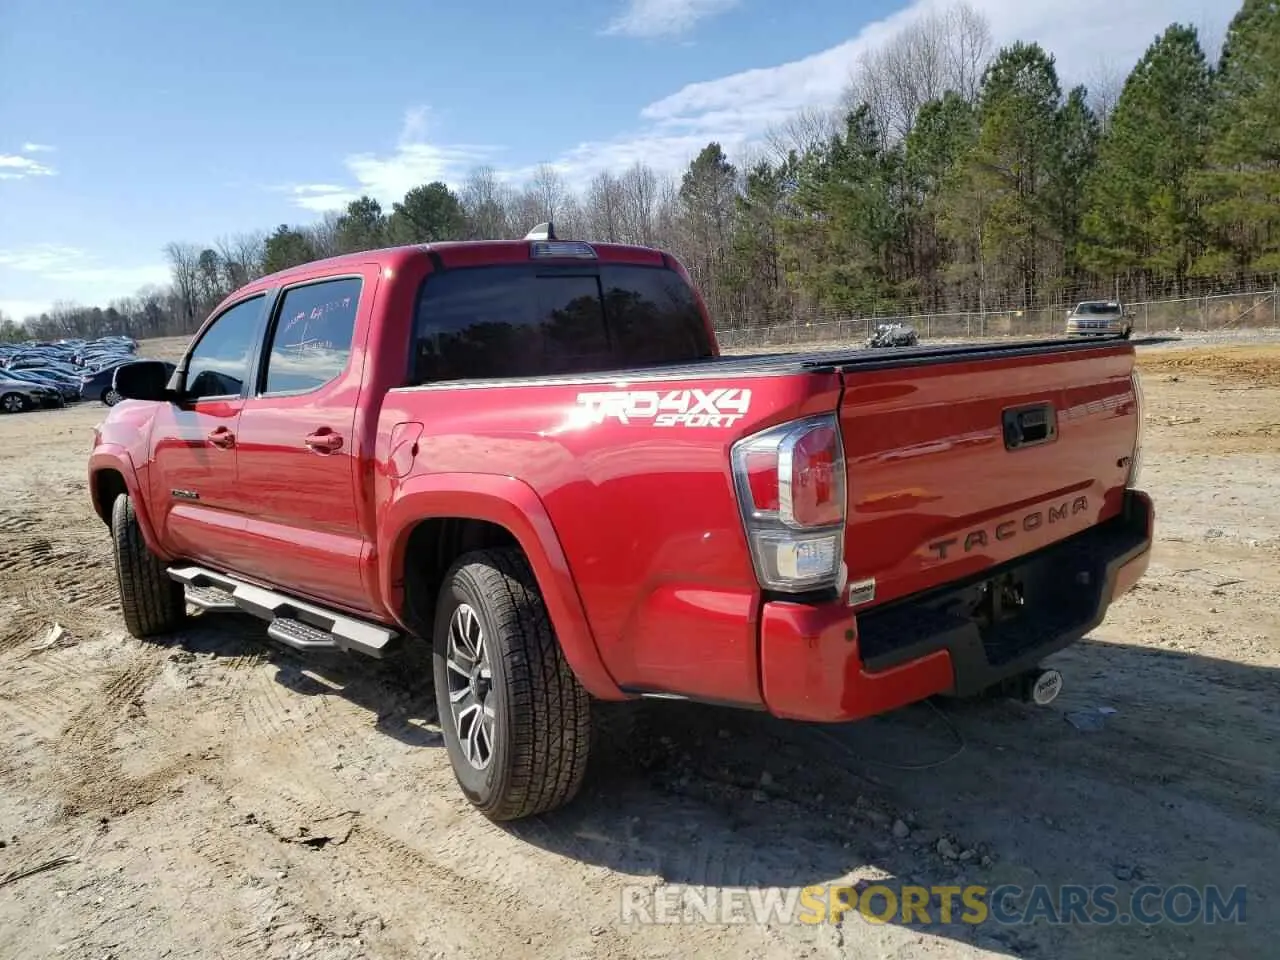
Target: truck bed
[(823, 361)]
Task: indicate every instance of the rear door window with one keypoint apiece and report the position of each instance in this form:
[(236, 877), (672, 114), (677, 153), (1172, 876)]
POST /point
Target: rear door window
[(312, 337), (522, 321)]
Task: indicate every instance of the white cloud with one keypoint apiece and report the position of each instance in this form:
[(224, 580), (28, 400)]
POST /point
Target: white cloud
[(738, 109), (21, 309), (69, 273), (415, 161), (661, 18), (16, 167), (30, 147)]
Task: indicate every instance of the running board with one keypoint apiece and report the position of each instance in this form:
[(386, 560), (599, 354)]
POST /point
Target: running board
[(293, 622)]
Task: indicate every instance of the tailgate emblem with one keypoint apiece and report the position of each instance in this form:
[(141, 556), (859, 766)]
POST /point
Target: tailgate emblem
[(1008, 529), (862, 591)]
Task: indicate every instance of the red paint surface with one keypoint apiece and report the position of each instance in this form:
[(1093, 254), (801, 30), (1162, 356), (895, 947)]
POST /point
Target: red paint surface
[(632, 530)]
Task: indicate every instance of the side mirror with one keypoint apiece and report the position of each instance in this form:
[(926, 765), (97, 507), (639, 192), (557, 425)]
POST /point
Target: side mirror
[(142, 380)]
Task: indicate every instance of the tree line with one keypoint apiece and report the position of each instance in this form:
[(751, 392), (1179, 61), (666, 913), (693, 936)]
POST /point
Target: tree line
[(951, 177)]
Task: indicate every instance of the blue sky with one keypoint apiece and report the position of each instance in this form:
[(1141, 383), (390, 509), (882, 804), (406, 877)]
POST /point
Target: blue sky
[(125, 125)]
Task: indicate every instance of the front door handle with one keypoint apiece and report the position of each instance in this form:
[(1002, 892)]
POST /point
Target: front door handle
[(222, 437), (324, 440)]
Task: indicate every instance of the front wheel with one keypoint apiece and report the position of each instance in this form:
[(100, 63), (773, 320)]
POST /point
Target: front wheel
[(110, 397), (151, 602), (515, 720), (13, 403)]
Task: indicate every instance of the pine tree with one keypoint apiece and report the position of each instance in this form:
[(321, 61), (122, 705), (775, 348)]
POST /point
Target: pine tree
[(839, 249), (943, 135), (1243, 182), (999, 204), (1078, 135), (1142, 210)]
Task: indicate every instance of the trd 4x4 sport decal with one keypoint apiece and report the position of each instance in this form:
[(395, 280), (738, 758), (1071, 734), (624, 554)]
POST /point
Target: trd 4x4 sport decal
[(722, 407)]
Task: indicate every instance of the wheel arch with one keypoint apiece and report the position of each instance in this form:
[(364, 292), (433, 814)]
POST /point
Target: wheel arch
[(111, 475), (434, 519)]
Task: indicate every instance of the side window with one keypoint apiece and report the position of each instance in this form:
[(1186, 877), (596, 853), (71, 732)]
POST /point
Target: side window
[(312, 337), (219, 363)]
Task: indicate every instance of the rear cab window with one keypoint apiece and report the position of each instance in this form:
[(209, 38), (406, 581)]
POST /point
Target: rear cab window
[(530, 320), (311, 340)]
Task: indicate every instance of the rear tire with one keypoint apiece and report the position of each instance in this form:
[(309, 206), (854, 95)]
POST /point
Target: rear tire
[(110, 398), (516, 722), (151, 602)]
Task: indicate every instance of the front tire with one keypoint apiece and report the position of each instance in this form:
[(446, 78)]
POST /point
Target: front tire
[(110, 397), (151, 602), (515, 720), (13, 403)]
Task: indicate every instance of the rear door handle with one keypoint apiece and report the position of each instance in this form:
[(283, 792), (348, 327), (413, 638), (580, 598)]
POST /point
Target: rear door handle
[(222, 437), (324, 440)]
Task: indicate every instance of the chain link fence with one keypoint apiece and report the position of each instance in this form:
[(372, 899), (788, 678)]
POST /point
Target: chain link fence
[(1221, 312)]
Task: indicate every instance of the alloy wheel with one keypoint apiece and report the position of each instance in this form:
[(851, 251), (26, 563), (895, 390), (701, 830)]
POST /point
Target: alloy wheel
[(472, 701)]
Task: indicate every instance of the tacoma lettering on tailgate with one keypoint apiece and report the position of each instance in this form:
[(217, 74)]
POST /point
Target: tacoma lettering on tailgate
[(722, 407)]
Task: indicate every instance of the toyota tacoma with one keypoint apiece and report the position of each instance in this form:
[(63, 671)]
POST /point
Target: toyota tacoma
[(531, 456)]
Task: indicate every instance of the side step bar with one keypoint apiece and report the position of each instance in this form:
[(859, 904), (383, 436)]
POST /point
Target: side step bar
[(293, 622)]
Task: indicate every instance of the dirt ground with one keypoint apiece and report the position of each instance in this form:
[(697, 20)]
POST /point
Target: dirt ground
[(215, 796)]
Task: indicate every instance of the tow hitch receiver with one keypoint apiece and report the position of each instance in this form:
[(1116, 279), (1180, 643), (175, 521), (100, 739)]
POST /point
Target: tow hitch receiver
[(1040, 686)]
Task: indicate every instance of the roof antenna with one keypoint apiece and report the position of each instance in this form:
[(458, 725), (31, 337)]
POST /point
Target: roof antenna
[(543, 231)]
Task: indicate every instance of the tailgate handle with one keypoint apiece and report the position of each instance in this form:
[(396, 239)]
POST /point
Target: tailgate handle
[(1029, 426)]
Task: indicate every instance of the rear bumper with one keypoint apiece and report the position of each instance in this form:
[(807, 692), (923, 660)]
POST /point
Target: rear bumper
[(823, 663)]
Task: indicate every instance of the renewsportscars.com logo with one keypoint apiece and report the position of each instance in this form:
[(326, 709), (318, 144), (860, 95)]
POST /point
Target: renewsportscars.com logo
[(909, 904), (721, 407)]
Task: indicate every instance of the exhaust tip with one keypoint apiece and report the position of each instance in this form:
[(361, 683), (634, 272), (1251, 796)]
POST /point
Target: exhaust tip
[(1041, 686)]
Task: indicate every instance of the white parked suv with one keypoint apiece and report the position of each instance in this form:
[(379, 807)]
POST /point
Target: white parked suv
[(1093, 318)]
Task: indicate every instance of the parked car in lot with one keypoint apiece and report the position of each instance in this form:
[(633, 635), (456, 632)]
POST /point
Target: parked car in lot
[(19, 395), (1094, 318), (64, 364), (100, 385), (67, 385), (531, 456)]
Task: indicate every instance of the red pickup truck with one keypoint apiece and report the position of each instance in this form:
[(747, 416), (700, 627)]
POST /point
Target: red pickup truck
[(531, 455)]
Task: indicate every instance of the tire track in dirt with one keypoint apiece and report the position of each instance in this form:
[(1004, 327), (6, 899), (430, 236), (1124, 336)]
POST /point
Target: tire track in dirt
[(92, 778)]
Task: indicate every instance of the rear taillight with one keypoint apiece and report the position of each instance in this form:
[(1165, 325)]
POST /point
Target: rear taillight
[(1135, 461), (790, 485)]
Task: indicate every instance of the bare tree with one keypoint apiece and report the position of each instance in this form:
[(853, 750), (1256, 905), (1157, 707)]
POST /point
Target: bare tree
[(1106, 82), (639, 188), (603, 208), (241, 257), (806, 130), (547, 192), (184, 266), (325, 235), (488, 203), (940, 51), (967, 48)]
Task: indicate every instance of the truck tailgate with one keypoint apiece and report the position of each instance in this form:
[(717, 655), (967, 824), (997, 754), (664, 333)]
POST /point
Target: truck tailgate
[(959, 463)]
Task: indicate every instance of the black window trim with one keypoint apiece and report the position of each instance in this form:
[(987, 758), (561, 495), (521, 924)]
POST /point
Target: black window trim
[(267, 297), (582, 268), (263, 360)]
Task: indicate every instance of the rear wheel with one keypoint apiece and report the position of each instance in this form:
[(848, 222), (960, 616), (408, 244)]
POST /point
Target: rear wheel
[(13, 403), (516, 722), (152, 603), (110, 397)]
